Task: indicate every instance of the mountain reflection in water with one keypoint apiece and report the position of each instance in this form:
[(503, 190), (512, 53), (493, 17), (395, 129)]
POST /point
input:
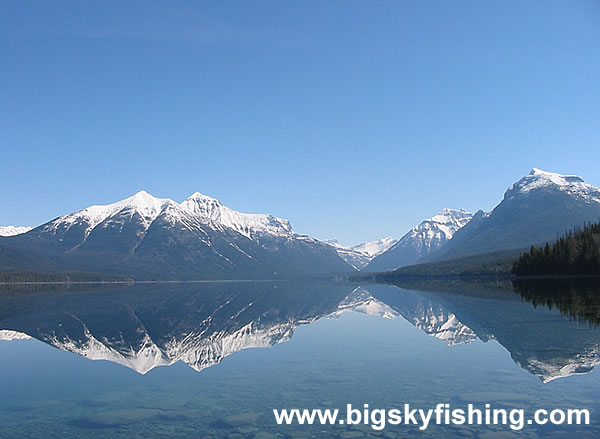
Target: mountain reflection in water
[(146, 326)]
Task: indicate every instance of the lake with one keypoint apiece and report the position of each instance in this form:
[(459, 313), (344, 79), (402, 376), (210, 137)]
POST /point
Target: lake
[(214, 359)]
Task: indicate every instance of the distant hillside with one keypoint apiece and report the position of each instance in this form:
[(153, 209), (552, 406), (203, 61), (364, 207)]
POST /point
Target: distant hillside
[(576, 253), (490, 264)]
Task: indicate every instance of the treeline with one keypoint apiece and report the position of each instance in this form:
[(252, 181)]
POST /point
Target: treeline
[(576, 253), (34, 277), (497, 264)]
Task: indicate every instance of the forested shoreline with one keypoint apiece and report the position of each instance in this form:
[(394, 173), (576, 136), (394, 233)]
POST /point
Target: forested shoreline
[(575, 253)]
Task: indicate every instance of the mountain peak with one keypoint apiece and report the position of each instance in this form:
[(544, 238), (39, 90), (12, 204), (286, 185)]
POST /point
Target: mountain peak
[(143, 199), (539, 179), (142, 193), (374, 248), (204, 205), (198, 196), (422, 240), (450, 210), (148, 206), (450, 215), (360, 255), (538, 171), (248, 224), (555, 177)]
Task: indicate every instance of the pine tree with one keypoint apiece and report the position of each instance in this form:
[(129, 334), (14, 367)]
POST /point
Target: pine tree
[(577, 252)]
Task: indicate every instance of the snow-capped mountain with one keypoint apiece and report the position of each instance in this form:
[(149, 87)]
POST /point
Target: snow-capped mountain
[(422, 240), (144, 236), (142, 206), (534, 210), (375, 248), (355, 258), (13, 230), (361, 254), (194, 212), (572, 185)]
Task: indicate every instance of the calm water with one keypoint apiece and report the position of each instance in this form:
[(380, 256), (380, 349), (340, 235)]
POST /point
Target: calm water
[(180, 364)]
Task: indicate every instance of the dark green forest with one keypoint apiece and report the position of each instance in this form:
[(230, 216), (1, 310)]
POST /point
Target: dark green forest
[(575, 253)]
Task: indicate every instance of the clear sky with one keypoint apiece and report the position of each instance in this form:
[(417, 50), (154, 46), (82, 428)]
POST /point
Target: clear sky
[(352, 119)]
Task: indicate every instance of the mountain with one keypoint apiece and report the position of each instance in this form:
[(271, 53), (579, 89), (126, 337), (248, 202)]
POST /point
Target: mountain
[(355, 258), (534, 210), (375, 248), (361, 254), (13, 230), (157, 238), (422, 240)]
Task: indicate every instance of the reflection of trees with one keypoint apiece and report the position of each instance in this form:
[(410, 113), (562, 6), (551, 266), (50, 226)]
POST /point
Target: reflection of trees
[(576, 298)]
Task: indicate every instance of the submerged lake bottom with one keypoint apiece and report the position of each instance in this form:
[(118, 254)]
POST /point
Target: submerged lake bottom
[(215, 360)]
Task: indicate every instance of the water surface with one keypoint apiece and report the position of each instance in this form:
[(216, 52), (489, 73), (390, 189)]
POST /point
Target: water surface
[(213, 360)]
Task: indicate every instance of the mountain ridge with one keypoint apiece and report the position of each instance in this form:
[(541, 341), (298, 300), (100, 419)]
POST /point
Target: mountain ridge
[(359, 255), (199, 238), (422, 240)]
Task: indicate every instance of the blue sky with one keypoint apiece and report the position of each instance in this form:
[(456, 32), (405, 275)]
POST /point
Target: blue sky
[(353, 119)]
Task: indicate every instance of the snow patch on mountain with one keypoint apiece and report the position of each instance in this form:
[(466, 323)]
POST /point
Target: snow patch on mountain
[(422, 240), (13, 230), (247, 224), (433, 232), (570, 184), (194, 212), (355, 258), (441, 227), (147, 206), (360, 255), (375, 248)]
